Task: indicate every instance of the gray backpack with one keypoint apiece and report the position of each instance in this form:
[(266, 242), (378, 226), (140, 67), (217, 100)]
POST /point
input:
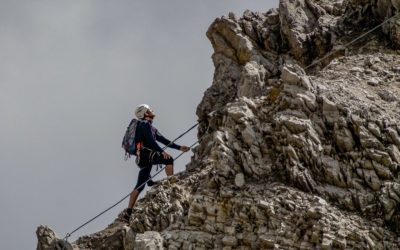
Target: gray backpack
[(128, 142)]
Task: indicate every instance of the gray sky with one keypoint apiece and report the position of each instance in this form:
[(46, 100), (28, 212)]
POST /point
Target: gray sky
[(71, 75)]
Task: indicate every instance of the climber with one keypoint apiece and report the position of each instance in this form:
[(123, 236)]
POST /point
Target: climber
[(149, 153)]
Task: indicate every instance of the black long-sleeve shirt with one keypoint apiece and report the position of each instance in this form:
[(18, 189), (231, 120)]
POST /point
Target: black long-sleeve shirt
[(147, 135)]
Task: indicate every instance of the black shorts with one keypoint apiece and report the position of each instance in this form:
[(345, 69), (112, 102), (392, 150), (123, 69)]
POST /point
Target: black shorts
[(148, 158), (146, 161)]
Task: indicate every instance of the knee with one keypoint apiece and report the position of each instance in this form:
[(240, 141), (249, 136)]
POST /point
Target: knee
[(170, 161), (140, 189)]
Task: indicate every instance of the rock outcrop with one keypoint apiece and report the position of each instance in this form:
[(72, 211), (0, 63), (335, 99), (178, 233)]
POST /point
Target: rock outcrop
[(296, 157)]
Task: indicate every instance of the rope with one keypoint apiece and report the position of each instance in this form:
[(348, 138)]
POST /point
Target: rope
[(177, 138), (342, 47), (151, 177)]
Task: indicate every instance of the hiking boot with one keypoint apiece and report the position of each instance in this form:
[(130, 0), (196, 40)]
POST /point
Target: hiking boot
[(126, 218)]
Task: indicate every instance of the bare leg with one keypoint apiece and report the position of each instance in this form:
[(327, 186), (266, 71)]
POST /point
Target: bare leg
[(133, 198), (169, 170)]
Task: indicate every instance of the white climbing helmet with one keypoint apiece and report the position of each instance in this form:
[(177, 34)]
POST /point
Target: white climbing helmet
[(140, 110)]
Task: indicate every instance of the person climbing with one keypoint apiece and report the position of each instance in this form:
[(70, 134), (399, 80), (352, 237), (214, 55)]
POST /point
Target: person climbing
[(149, 153)]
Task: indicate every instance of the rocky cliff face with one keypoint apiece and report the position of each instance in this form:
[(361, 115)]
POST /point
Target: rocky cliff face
[(295, 157)]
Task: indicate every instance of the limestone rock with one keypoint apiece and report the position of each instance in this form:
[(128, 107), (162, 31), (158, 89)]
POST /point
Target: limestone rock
[(48, 240), (295, 157), (302, 21), (45, 237), (148, 240), (239, 180), (361, 11)]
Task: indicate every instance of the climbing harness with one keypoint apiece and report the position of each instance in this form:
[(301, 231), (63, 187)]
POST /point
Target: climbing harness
[(65, 239), (343, 47)]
